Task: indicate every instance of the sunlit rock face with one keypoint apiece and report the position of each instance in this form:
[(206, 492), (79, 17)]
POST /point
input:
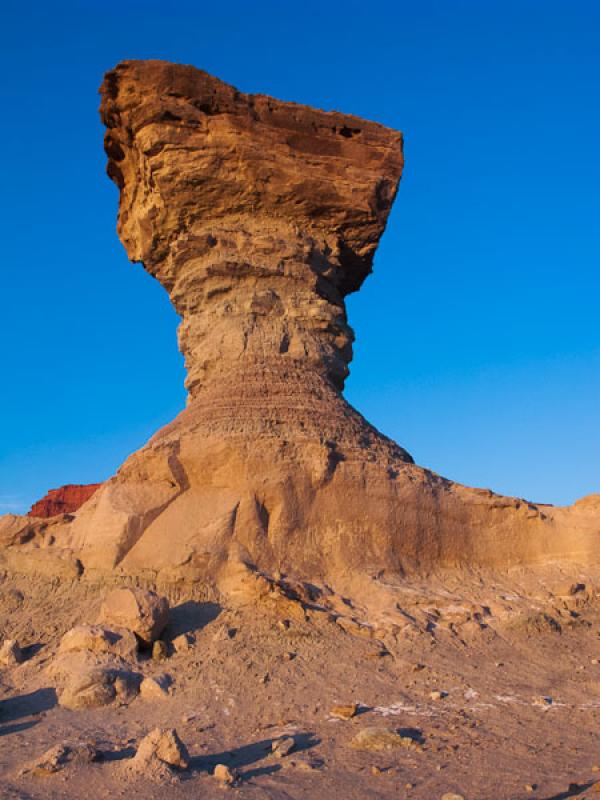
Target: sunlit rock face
[(259, 217)]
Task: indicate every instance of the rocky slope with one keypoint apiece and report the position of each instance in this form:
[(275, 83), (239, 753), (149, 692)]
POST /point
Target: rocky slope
[(259, 217)]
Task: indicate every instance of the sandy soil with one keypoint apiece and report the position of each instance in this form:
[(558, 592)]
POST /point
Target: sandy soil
[(258, 672)]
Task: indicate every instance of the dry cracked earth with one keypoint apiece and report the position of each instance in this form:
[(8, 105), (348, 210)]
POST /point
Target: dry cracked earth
[(495, 698)]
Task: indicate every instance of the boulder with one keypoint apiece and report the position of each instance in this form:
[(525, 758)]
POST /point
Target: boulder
[(155, 688), (88, 688), (98, 639), (164, 745), (183, 643), (143, 612)]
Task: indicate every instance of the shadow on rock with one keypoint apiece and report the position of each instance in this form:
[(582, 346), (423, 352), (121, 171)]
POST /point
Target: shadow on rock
[(191, 616), (26, 705)]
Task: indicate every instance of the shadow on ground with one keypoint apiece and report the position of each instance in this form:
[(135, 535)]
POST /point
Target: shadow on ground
[(27, 705), (190, 616), (573, 790), (250, 754)]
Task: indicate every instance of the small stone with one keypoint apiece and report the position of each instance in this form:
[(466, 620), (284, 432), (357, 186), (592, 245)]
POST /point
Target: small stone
[(182, 643), (375, 771), (594, 661), (159, 650), (308, 765), (452, 796), (10, 653), (154, 688), (382, 739), (419, 667), (225, 775), (542, 700), (283, 747), (378, 654), (438, 695), (344, 712), (530, 787)]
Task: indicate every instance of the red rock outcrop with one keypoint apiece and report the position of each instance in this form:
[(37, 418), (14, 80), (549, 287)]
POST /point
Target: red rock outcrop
[(65, 500), (259, 217)]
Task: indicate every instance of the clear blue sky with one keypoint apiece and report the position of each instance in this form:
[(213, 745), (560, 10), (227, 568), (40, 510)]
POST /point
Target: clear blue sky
[(478, 335)]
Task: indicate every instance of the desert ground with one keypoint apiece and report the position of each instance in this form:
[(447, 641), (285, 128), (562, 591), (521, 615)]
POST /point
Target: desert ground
[(494, 697)]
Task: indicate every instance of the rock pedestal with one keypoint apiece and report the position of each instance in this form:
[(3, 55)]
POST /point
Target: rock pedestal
[(259, 217)]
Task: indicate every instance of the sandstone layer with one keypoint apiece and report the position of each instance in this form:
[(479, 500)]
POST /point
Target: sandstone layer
[(65, 500), (259, 217)]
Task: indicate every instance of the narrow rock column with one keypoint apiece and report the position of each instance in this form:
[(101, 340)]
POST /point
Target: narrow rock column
[(257, 216)]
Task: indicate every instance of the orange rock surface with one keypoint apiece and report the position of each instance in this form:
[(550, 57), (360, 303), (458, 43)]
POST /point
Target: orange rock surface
[(64, 500), (259, 217)]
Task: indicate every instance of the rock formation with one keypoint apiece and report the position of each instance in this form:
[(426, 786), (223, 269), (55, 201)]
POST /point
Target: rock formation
[(259, 217), (65, 500)]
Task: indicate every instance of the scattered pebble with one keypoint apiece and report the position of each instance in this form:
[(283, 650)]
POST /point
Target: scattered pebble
[(283, 747), (225, 775), (344, 712), (182, 643), (159, 650), (438, 695), (383, 739), (542, 700)]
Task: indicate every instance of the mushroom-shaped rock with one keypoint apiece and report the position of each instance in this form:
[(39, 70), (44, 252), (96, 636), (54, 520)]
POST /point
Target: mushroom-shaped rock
[(143, 612), (259, 217)]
